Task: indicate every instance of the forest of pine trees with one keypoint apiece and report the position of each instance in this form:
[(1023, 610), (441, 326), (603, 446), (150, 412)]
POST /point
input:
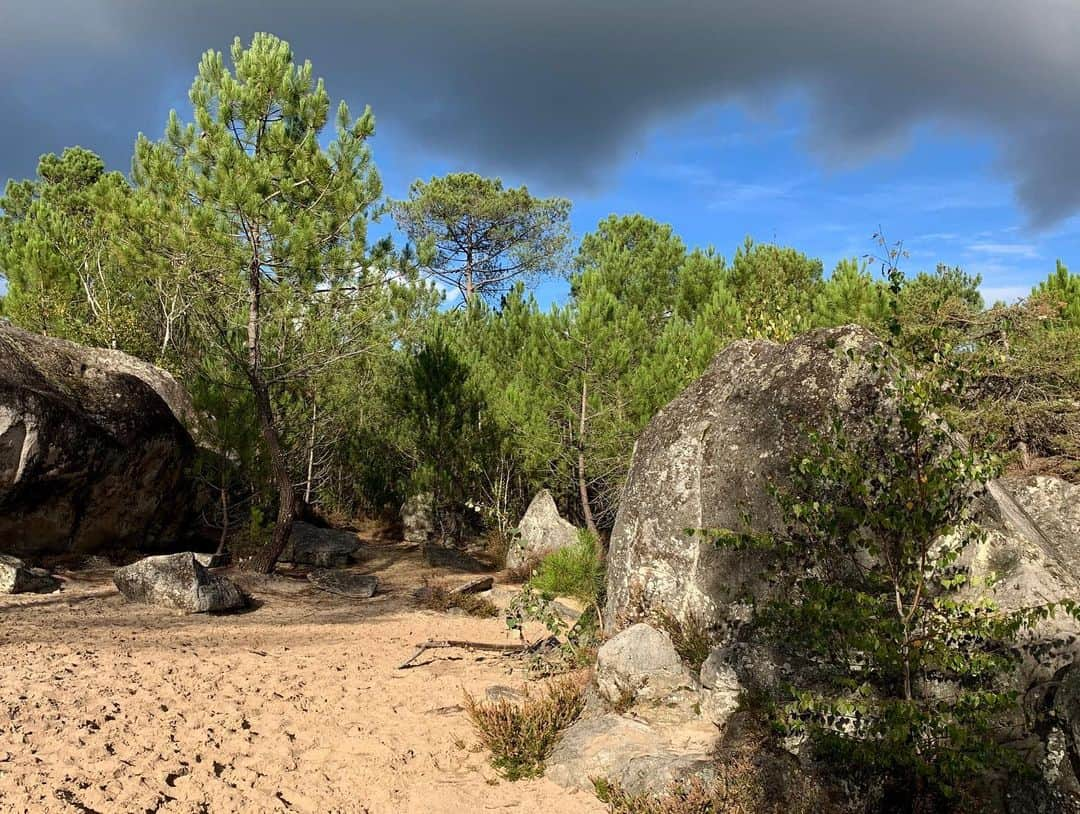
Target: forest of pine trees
[(331, 368)]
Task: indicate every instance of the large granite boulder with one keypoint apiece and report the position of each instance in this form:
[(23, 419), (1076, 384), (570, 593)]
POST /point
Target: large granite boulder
[(323, 548), (706, 461), (92, 457), (16, 577), (540, 532), (179, 582), (711, 459)]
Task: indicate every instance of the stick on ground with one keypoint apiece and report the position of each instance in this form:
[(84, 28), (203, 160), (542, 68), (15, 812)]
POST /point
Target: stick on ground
[(504, 649)]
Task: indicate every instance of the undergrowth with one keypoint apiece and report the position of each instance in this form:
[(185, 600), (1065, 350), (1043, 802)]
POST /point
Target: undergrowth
[(576, 571), (441, 598), (521, 735)]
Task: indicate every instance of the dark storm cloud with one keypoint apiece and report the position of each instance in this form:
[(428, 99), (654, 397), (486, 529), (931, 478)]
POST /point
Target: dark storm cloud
[(564, 89)]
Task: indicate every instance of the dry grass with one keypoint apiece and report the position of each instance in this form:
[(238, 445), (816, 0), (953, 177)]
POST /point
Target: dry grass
[(521, 735), (522, 573), (442, 598), (692, 637)]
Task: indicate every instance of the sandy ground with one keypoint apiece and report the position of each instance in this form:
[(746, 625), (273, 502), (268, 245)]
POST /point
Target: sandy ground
[(297, 705)]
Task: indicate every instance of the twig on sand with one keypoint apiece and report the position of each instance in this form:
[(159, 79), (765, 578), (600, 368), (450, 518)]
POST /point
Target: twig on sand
[(503, 649)]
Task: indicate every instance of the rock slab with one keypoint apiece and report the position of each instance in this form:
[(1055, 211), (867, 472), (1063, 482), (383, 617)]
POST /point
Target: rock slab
[(179, 582), (18, 578), (541, 531), (345, 583), (638, 756)]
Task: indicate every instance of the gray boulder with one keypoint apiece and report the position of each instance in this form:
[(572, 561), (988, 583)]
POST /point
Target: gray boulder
[(418, 518), (707, 458), (540, 532), (92, 457), (179, 582), (640, 664), (324, 548), (18, 578)]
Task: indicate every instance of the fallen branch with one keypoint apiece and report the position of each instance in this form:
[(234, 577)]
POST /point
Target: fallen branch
[(502, 649)]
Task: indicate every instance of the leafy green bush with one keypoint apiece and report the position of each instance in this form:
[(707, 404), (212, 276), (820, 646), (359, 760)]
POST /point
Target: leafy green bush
[(521, 735), (576, 571)]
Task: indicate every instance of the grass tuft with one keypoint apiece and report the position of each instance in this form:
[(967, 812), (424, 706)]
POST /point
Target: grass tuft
[(692, 636), (441, 598), (521, 735)]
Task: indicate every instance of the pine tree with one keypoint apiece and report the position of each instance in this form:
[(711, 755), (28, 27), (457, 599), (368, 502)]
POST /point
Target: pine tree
[(851, 295), (1063, 289), (479, 238), (268, 230)]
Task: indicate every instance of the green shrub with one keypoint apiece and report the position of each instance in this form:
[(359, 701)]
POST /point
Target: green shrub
[(576, 571), (521, 735)]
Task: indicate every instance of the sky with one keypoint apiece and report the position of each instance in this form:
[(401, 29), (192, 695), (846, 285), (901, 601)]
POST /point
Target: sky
[(953, 125)]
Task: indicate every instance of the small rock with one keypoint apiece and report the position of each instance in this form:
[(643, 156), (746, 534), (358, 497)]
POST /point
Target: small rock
[(18, 578), (177, 581)]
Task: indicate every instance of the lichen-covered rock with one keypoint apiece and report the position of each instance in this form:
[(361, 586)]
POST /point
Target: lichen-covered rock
[(640, 664), (418, 518), (706, 461), (541, 531), (179, 582), (634, 754), (16, 577), (323, 548), (92, 458)]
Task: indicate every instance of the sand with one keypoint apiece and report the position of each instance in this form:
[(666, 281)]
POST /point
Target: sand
[(297, 705)]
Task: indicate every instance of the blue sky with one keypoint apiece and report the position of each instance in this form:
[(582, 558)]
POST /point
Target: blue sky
[(954, 125), (721, 173)]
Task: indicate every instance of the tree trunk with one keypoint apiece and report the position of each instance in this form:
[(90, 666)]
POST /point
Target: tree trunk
[(267, 558), (311, 449), (583, 487)]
